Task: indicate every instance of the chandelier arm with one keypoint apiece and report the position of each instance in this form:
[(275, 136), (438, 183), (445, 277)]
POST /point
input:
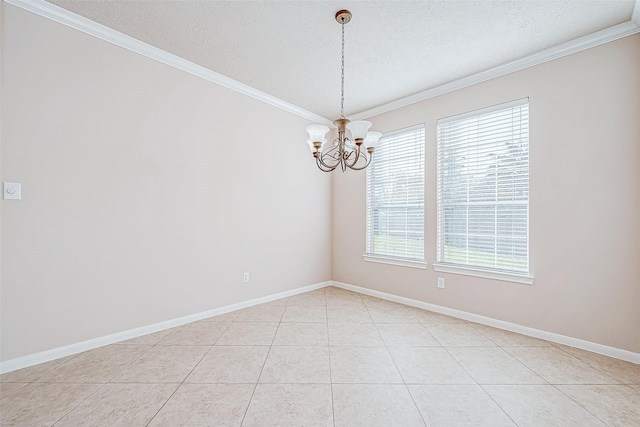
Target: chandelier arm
[(367, 159), (357, 156), (367, 162), (320, 160), (323, 167)]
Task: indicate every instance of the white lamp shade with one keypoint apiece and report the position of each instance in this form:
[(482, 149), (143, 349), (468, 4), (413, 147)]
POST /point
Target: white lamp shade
[(372, 139), (317, 132), (359, 128)]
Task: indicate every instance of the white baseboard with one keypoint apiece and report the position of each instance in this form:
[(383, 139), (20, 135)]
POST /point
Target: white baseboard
[(56, 353), (501, 324)]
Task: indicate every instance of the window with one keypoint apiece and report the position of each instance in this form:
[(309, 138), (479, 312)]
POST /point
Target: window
[(483, 189), (395, 197)]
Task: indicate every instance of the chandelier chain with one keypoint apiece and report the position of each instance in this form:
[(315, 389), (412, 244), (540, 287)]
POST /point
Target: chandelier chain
[(342, 77)]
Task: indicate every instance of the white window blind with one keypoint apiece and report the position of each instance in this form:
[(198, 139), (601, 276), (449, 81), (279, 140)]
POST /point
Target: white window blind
[(483, 188), (395, 196)]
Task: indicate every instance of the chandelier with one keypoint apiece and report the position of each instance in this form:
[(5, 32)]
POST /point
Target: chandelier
[(344, 152)]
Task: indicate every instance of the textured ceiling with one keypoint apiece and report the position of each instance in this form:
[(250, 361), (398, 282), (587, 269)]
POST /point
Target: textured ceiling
[(291, 49)]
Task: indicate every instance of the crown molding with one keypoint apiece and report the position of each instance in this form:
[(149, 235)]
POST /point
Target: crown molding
[(592, 40), (70, 19)]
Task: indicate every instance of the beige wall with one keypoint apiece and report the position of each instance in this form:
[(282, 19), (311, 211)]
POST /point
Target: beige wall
[(147, 192), (584, 203)]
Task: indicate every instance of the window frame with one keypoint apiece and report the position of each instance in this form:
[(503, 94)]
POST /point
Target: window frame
[(523, 277), (370, 256)]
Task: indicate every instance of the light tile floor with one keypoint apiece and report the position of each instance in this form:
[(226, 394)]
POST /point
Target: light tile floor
[(327, 357)]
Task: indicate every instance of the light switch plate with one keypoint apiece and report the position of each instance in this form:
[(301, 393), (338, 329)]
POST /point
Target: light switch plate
[(12, 191)]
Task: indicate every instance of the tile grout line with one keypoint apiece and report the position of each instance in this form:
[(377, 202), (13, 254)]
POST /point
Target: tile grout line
[(333, 406), (578, 403), (263, 364), (498, 403), (187, 376), (404, 382), (80, 403), (478, 384), (586, 362), (525, 365), (101, 386), (615, 382)]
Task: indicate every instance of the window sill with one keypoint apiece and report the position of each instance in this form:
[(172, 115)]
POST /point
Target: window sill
[(487, 274), (395, 261)]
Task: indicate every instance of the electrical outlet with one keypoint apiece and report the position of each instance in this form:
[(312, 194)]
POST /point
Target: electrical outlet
[(12, 191), (245, 278), (441, 282)]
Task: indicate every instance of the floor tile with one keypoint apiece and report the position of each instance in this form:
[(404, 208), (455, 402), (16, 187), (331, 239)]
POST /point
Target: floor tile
[(373, 405), (372, 302), (558, 367), (302, 334), (240, 364), (459, 335), (493, 365), (198, 333), (430, 318), (408, 334), (33, 373), (620, 370), (306, 300), (333, 291), (261, 313), (343, 314), (540, 406), (302, 313), (226, 317), (428, 365), (148, 339), (249, 333), (288, 351), (458, 405), (96, 366), (507, 338), (391, 315), (290, 405), (319, 291), (205, 405), (39, 404), (120, 405), (344, 301), (7, 389), (354, 334), (163, 364), (371, 365), (616, 405), (304, 365)]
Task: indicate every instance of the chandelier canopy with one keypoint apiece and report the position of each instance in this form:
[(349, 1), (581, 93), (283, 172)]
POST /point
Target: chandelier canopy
[(344, 151)]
